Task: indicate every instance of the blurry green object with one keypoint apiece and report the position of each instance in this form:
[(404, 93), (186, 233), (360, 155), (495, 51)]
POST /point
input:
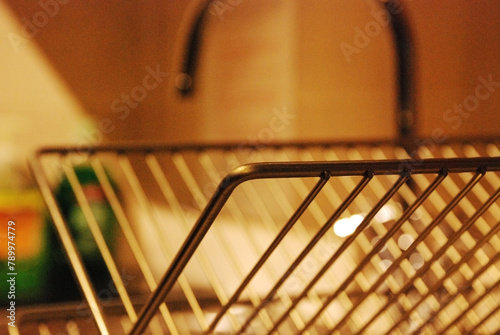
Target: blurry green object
[(62, 282), (24, 207), (22, 204)]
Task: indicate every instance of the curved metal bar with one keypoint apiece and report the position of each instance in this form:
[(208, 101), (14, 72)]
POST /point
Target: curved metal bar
[(288, 170), (404, 54)]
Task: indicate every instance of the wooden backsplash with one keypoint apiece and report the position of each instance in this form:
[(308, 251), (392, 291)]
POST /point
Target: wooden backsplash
[(264, 59)]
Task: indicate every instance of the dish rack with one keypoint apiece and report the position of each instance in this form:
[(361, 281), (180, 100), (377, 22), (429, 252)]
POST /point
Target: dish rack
[(312, 238)]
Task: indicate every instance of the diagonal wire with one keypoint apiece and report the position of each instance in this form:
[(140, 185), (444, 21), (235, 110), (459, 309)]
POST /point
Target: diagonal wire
[(474, 180), (379, 244), (368, 176)]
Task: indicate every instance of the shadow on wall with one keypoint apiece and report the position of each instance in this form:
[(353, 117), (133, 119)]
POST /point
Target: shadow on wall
[(329, 73), (103, 53)]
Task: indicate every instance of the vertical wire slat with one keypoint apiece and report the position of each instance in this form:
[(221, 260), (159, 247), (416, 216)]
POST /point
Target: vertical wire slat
[(166, 249), (381, 242), (450, 206), (368, 176), (302, 190), (155, 327), (477, 274), (69, 245), (251, 192), (265, 215), (343, 247), (274, 244), (331, 195), (435, 222), (130, 236), (301, 231), (100, 241), (12, 330), (72, 328), (43, 329), (443, 249), (366, 220), (362, 203), (176, 207), (333, 198), (279, 193), (453, 220), (173, 202), (237, 213), (487, 317)]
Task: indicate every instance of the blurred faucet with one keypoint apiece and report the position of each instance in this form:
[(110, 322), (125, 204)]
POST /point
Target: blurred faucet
[(404, 53), (184, 81), (405, 106)]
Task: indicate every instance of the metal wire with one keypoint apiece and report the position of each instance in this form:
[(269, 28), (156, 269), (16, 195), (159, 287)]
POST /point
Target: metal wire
[(243, 239)]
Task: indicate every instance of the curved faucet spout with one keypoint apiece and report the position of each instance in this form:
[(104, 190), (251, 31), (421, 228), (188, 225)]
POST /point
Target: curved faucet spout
[(185, 79), (404, 54)]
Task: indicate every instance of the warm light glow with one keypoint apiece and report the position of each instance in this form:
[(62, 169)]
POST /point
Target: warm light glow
[(417, 215), (385, 264), (386, 213), (405, 241), (347, 226), (375, 241), (53, 114), (416, 260)]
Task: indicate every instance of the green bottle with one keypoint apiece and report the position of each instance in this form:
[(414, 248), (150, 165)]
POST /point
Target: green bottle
[(63, 285)]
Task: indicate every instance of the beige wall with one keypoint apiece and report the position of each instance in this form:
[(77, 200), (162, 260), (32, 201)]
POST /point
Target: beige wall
[(260, 57), (246, 84), (36, 107), (100, 50), (343, 95), (457, 44), (340, 96)]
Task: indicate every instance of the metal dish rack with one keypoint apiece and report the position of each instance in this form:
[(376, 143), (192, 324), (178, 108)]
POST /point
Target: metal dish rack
[(287, 238)]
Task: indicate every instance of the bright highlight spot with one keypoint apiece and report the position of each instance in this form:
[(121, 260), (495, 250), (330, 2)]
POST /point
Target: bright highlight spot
[(385, 264), (347, 226), (416, 260), (386, 213), (405, 241)]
